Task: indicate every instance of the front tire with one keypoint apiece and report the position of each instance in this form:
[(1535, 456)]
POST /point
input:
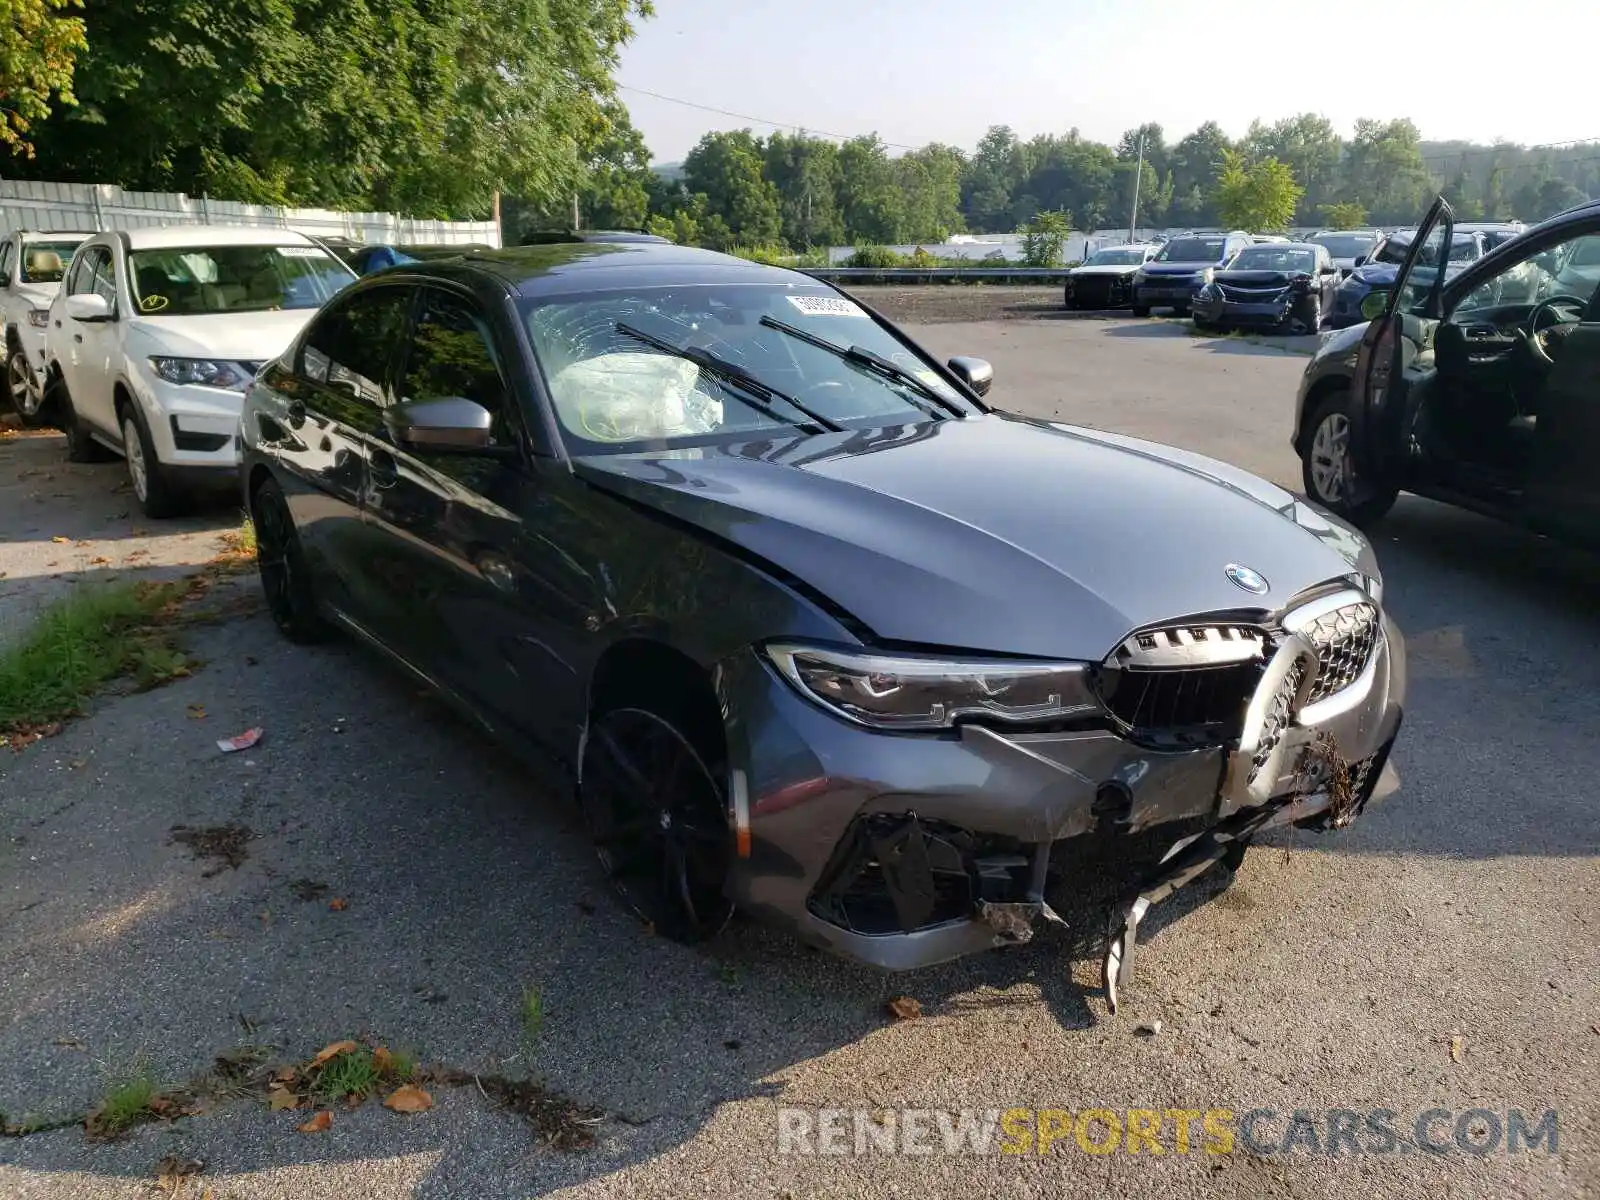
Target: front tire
[(1141, 310), (156, 495), (658, 818), (1307, 317), (1327, 467), (281, 564)]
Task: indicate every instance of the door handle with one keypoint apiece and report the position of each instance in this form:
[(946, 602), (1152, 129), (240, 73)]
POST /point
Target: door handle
[(77, 337)]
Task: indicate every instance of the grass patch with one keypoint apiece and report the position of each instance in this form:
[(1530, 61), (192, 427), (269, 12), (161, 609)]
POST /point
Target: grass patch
[(83, 642), (532, 1013), (349, 1076), (126, 1103), (239, 544)]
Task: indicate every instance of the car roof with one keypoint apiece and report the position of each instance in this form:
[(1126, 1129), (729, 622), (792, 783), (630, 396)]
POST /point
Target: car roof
[(158, 237), (1312, 248), (26, 234), (602, 266)]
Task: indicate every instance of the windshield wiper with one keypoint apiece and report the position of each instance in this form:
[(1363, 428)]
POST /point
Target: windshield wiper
[(870, 361), (761, 393)]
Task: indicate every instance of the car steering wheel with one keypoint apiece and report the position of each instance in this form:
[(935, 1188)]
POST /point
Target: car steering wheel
[(1535, 333)]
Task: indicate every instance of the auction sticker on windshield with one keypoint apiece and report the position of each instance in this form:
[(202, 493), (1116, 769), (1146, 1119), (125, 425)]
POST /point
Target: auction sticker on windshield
[(299, 251), (827, 306)]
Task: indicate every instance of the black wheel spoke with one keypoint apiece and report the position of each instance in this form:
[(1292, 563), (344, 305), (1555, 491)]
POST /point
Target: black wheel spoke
[(621, 759), (677, 864)]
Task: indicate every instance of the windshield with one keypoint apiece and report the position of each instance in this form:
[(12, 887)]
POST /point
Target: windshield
[(1121, 257), (1464, 250), (613, 391), (46, 262), (188, 280), (1272, 258), (1345, 245), (1185, 250)]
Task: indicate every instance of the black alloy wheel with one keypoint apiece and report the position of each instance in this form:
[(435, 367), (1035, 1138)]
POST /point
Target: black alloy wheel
[(280, 561), (659, 822)]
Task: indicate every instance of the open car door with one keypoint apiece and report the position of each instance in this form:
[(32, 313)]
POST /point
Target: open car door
[(1396, 356)]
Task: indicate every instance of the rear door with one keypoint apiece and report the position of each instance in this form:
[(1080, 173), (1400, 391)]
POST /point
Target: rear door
[(1395, 362), (91, 346)]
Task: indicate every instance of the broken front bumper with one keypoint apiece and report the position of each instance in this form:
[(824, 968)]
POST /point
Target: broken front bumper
[(904, 850)]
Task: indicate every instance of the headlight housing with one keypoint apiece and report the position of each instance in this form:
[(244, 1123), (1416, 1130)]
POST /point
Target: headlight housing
[(1139, 277), (206, 372), (912, 692), (39, 318), (1204, 276), (1374, 302), (1208, 292)]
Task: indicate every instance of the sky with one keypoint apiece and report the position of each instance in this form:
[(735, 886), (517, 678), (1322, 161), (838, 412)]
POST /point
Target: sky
[(918, 71)]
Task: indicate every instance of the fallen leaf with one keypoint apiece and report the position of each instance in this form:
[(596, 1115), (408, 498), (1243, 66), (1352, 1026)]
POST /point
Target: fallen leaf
[(139, 531), (280, 1098), (77, 764), (61, 541), (382, 1060), (317, 1124), (71, 1043), (408, 1099), (159, 1105), (332, 1050), (338, 904), (904, 1008), (172, 1171), (1458, 1047), (285, 1074), (82, 543), (197, 712), (99, 561)]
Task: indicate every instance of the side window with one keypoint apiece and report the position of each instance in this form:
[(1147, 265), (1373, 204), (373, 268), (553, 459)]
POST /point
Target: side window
[(5, 256), (1569, 268), (350, 348), (452, 354), (85, 267), (103, 281)]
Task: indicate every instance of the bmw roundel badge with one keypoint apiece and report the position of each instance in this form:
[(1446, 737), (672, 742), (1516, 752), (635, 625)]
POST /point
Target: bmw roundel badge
[(1250, 580)]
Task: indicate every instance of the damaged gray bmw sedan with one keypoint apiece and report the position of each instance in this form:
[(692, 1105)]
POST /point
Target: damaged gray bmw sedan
[(815, 630)]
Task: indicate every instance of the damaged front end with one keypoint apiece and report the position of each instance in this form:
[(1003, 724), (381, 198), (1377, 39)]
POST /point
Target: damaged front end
[(905, 849)]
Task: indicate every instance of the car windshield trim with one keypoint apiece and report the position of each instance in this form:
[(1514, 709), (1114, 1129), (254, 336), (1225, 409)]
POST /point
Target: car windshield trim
[(870, 363), (758, 392)]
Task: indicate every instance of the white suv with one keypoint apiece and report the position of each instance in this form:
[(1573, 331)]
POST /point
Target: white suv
[(155, 334), (31, 267)]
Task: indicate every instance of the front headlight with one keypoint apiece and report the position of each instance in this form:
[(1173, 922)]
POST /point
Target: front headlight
[(1209, 292), (1139, 277), (1373, 304), (913, 692), (39, 318), (1203, 276), (206, 372)]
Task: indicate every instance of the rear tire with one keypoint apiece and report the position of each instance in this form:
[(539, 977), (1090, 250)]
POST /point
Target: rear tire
[(151, 488), (81, 448), (27, 401), (658, 817), (1327, 469), (281, 563), (1141, 310)]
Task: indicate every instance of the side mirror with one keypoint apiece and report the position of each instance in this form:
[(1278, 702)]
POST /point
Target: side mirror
[(449, 423), (1330, 268), (976, 373), (88, 306)]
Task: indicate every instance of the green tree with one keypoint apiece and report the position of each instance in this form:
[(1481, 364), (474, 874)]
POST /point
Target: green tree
[(870, 199), (1256, 196), (1384, 170), (741, 204), (805, 170), (1344, 214), (1043, 239), (930, 182), (421, 106), (39, 47), (1311, 148), (993, 178), (1195, 161)]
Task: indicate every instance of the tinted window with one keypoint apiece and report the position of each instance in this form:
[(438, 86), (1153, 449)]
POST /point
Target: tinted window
[(352, 347), (1192, 250), (452, 354)]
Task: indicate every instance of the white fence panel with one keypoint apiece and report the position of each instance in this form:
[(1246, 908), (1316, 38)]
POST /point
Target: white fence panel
[(43, 205)]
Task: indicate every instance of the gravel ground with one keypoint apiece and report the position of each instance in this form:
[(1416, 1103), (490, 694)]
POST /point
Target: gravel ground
[(1332, 972)]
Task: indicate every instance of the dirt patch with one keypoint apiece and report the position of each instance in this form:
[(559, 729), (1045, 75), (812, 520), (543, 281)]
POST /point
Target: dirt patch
[(223, 846), (558, 1121), (939, 304)]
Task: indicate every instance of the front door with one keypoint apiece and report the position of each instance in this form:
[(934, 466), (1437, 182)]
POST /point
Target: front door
[(1395, 364), (450, 535)]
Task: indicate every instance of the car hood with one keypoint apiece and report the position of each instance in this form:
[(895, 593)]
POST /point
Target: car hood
[(1261, 278), (1384, 274), (997, 533), (1127, 269), (1175, 268), (237, 337)]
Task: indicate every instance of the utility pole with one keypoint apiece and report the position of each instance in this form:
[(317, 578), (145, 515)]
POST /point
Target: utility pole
[(575, 225), (1138, 178)]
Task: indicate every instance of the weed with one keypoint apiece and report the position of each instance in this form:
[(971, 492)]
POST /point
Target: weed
[(532, 1013), (353, 1074), (402, 1066), (558, 1121), (728, 973), (80, 644), (126, 1103)]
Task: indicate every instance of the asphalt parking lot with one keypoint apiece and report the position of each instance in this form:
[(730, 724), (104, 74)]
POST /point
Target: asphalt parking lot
[(1440, 954)]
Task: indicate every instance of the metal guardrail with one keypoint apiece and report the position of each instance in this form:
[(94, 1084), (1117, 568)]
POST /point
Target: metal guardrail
[(938, 274)]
